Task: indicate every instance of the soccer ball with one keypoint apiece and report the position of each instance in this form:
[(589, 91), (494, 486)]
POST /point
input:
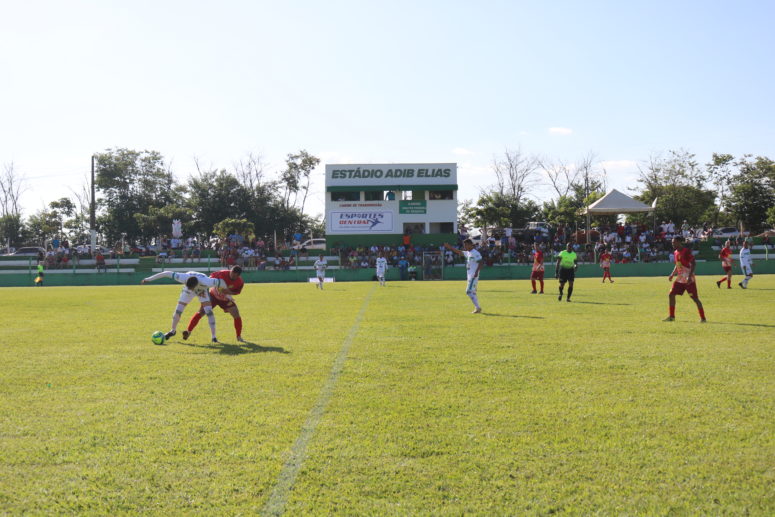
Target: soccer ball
[(158, 337)]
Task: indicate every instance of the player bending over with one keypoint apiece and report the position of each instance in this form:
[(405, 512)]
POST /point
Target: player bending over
[(538, 268), (746, 264), (605, 263), (223, 298), (381, 268), (320, 266), (684, 278), (195, 286), (473, 266), (565, 269), (726, 263)]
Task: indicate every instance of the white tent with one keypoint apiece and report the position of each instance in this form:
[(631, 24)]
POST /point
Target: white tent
[(615, 203)]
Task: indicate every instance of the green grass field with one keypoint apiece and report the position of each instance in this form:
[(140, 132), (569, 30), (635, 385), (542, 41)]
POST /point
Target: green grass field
[(363, 400)]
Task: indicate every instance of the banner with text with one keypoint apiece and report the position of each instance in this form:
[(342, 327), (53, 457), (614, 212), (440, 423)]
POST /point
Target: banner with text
[(361, 222), (411, 174)]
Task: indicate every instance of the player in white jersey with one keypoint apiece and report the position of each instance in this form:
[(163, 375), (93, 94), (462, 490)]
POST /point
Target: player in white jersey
[(746, 264), (381, 268), (473, 266), (196, 285), (320, 269)]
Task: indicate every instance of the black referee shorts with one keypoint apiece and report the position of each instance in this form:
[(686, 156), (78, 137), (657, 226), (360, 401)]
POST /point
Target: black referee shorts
[(567, 274)]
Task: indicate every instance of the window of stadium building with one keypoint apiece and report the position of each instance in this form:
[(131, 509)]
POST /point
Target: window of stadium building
[(442, 228), (345, 196), (440, 194), (374, 195), (415, 228)]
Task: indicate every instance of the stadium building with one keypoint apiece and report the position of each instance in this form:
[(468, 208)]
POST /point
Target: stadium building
[(380, 203)]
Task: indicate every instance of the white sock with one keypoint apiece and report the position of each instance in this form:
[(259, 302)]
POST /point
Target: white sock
[(211, 321), (474, 299), (177, 314)]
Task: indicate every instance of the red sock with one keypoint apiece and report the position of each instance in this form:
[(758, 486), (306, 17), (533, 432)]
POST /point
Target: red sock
[(194, 320), (534, 284), (238, 326), (672, 311), (729, 282), (542, 285), (702, 313)]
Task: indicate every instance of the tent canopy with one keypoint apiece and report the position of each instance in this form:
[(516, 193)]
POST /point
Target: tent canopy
[(617, 203)]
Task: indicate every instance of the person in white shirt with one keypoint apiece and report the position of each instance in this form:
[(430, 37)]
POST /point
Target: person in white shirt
[(196, 285), (381, 266), (320, 269), (746, 264), (473, 266)]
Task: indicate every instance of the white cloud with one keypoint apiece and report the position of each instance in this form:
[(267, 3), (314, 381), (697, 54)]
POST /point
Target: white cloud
[(560, 130)]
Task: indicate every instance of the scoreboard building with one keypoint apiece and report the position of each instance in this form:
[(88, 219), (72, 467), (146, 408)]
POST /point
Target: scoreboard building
[(379, 203)]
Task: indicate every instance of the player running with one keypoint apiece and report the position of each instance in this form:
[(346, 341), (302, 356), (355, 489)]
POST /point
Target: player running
[(726, 262), (605, 263), (196, 285), (684, 278), (746, 264), (538, 268), (320, 266), (223, 298), (565, 269), (381, 268), (473, 266)]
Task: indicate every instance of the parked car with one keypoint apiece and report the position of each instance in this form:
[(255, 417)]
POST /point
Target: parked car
[(728, 232), (30, 251), (312, 244)]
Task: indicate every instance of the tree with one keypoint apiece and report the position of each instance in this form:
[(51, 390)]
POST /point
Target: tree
[(720, 170), (214, 196), (752, 191), (11, 190), (516, 175), (158, 221), (233, 227), (44, 225), (131, 182)]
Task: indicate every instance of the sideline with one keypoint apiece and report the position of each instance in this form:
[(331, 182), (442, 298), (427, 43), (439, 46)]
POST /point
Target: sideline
[(285, 481)]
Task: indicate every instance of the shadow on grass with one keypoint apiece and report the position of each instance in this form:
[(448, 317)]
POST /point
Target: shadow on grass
[(497, 315), (742, 324), (243, 348)]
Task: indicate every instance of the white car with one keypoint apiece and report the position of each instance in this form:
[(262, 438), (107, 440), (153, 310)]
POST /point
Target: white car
[(312, 244), (727, 232)]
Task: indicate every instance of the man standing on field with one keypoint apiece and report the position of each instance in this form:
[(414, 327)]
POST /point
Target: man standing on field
[(746, 264), (684, 278), (538, 268), (726, 262), (473, 266), (381, 265), (320, 266), (605, 263), (565, 269)]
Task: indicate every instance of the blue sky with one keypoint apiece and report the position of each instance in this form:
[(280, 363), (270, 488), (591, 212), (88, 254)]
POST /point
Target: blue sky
[(381, 82)]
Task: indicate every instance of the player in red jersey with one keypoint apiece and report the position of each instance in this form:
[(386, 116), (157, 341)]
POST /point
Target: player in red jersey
[(538, 268), (223, 298), (684, 278), (726, 263), (605, 263)]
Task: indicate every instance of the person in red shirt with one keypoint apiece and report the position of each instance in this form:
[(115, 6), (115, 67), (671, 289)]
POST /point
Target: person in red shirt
[(605, 263), (538, 268), (684, 278), (726, 263), (224, 299)]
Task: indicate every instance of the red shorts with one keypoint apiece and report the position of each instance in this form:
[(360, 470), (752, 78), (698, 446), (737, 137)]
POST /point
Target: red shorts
[(727, 269), (226, 305), (679, 289), (537, 275)]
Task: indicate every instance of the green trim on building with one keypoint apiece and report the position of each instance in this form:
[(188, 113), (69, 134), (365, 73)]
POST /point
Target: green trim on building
[(371, 188)]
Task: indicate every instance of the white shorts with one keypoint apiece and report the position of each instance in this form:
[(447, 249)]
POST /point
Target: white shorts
[(186, 295), (747, 270), (471, 285), (321, 276), (380, 274)]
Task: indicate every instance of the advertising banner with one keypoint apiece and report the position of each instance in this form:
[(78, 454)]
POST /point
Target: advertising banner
[(412, 207), (360, 222), (410, 174)]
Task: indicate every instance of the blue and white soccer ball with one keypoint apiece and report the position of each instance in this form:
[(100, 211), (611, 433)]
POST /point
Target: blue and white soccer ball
[(158, 337)]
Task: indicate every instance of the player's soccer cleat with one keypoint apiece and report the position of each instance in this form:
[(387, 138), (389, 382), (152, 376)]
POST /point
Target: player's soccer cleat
[(669, 318), (186, 333), (215, 341), (718, 284), (239, 338), (703, 320), (741, 285), (533, 292), (559, 298), (477, 310), (568, 300), (169, 334), (541, 292)]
